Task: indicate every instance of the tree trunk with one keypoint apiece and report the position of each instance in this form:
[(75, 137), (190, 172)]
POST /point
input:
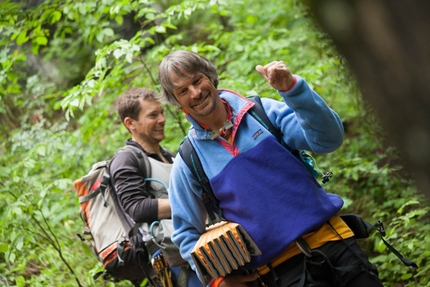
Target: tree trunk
[(387, 46)]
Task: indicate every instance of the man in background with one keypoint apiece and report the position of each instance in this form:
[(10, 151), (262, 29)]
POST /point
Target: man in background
[(143, 117)]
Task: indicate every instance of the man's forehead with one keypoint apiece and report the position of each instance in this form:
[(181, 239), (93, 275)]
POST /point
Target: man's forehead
[(151, 107), (177, 78), (150, 102)]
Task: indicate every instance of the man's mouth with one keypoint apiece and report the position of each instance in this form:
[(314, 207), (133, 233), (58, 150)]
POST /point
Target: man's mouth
[(201, 103)]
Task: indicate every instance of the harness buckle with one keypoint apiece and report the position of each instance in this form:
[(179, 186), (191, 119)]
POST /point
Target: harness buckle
[(304, 247), (381, 228)]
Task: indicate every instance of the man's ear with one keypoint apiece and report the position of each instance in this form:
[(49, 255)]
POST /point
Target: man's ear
[(129, 123)]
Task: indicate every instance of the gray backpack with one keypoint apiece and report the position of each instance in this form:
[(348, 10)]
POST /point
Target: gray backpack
[(113, 237)]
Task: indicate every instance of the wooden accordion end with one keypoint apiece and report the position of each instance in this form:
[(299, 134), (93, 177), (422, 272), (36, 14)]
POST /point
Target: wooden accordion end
[(224, 247)]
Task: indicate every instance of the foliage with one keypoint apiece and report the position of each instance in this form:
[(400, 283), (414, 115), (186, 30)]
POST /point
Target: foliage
[(65, 62)]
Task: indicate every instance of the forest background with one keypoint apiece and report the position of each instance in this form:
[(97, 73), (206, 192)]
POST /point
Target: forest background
[(64, 63)]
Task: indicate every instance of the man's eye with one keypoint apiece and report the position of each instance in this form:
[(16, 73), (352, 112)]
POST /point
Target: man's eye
[(197, 81)]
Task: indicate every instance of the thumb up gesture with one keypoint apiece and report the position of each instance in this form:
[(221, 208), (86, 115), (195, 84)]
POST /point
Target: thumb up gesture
[(277, 75)]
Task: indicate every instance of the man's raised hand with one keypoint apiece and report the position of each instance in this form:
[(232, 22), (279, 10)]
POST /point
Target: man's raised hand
[(277, 75)]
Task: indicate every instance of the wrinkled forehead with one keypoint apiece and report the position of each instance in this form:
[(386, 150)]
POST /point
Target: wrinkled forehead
[(177, 75)]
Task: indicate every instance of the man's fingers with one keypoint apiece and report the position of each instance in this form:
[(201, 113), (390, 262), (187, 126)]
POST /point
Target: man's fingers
[(260, 70), (269, 69)]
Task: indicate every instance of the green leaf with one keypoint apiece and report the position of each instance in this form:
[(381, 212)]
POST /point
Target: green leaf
[(3, 247), (129, 57), (63, 183), (22, 38), (160, 29), (119, 19), (150, 16), (91, 83), (108, 32), (20, 281), (117, 53), (82, 9), (19, 245), (12, 258), (41, 40), (42, 193), (35, 48), (29, 163), (99, 36), (41, 150), (406, 276), (55, 17), (16, 210), (74, 103), (170, 25)]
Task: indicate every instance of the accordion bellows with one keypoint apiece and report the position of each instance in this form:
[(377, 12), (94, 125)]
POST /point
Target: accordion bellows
[(224, 247)]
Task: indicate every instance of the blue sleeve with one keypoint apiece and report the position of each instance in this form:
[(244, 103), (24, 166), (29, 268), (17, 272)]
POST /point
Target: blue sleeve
[(307, 123), (188, 211)]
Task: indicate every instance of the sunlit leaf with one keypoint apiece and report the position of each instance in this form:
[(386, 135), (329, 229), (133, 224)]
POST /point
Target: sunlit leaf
[(41, 40), (22, 38), (108, 32), (55, 16), (19, 245), (119, 19), (117, 53), (3, 247), (41, 150)]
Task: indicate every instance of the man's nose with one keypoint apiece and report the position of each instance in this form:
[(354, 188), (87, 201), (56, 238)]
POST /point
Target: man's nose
[(194, 91), (162, 119)]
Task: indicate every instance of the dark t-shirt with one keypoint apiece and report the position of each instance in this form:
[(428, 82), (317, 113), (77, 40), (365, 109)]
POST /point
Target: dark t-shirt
[(128, 178)]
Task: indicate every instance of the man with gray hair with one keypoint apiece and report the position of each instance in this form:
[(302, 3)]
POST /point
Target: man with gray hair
[(257, 182)]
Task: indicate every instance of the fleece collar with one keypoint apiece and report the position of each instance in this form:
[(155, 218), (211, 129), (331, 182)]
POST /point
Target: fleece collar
[(239, 106)]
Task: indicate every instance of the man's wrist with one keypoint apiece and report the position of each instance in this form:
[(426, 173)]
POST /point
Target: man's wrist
[(292, 86)]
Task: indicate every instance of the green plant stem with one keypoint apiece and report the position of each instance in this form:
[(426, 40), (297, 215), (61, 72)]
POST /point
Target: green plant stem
[(48, 236)]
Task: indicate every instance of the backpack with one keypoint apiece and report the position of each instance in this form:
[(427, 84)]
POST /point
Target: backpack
[(113, 237), (359, 226)]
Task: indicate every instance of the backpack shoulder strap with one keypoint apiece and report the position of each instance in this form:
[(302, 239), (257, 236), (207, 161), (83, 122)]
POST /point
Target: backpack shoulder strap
[(131, 228), (144, 164), (190, 157), (169, 152), (257, 111)]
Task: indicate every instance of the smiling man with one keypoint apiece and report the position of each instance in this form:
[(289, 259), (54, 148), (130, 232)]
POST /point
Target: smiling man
[(142, 115), (259, 183)]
